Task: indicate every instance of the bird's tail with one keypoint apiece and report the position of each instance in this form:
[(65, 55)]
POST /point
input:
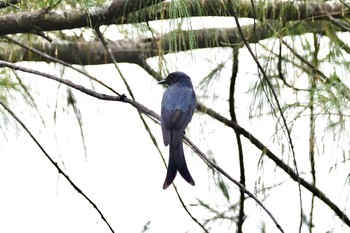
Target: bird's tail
[(177, 162)]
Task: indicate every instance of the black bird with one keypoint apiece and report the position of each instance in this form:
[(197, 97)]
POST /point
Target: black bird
[(178, 105)]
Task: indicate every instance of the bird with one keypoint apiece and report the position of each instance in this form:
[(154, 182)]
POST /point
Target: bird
[(177, 108)]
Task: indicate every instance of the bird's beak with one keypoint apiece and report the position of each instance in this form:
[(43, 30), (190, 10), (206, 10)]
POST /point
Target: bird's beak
[(164, 81)]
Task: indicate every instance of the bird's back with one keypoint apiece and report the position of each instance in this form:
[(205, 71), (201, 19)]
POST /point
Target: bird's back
[(178, 97)]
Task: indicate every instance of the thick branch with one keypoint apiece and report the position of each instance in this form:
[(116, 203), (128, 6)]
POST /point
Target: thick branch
[(50, 20), (261, 10), (121, 11)]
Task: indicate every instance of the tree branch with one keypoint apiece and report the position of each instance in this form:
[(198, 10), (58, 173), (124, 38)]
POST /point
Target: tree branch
[(241, 186), (313, 189), (60, 171), (260, 10), (232, 109), (50, 20), (12, 3)]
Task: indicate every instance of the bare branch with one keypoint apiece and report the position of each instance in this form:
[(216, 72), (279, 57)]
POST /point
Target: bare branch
[(313, 189), (60, 171), (241, 186), (232, 109)]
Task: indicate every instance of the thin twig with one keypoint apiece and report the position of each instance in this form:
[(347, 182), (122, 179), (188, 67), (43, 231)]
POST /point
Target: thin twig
[(11, 3), (343, 89), (60, 171), (59, 61), (219, 169), (287, 169), (284, 121)]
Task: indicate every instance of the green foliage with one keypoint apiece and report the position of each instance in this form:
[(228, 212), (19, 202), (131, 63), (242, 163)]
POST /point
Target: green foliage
[(222, 214), (72, 102), (7, 86), (31, 5), (179, 12)]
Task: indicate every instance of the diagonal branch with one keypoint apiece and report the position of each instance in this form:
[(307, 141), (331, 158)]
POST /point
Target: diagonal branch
[(241, 186), (313, 189), (6, 3), (47, 57), (60, 171), (338, 84)]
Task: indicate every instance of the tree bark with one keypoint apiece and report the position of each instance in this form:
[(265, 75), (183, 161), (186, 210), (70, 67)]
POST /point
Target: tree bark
[(260, 10), (50, 20)]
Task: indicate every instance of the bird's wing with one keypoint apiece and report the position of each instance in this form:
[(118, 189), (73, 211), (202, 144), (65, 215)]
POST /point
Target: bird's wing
[(177, 109), (174, 122), (165, 130)]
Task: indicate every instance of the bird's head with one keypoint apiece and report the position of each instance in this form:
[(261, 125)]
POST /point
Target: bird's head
[(177, 77)]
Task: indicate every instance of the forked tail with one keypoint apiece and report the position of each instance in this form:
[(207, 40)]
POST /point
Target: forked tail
[(176, 163)]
